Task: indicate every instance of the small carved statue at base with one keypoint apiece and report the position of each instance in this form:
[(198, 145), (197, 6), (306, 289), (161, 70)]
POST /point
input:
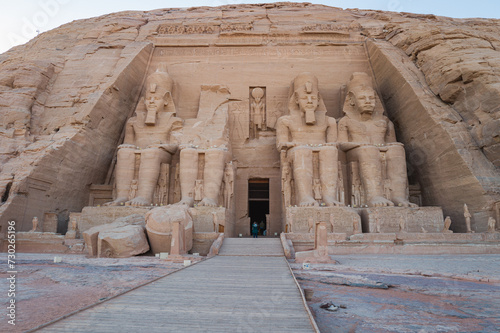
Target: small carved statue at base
[(215, 221), (447, 224), (317, 189), (35, 224), (402, 225), (492, 225), (467, 216), (198, 189)]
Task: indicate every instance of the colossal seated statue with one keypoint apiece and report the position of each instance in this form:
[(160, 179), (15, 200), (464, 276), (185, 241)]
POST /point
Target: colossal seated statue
[(204, 149), (368, 138), (147, 136), (307, 138)]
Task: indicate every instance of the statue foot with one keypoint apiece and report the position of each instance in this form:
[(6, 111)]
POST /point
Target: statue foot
[(116, 202), (207, 202), (332, 203), (403, 203), (309, 202), (380, 202), (139, 201), (186, 201)]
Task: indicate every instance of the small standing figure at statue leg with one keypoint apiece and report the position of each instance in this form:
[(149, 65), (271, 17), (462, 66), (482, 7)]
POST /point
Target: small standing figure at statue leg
[(492, 225), (467, 216), (35, 224)]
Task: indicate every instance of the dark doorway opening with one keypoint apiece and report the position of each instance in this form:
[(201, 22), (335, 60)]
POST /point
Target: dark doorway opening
[(258, 203)]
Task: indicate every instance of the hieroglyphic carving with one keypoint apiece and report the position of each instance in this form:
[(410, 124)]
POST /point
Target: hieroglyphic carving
[(239, 121), (163, 185), (286, 180), (278, 52), (179, 29), (331, 28), (340, 185), (177, 184), (236, 27)]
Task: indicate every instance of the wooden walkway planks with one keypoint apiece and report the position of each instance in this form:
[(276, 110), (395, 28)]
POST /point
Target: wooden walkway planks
[(223, 294)]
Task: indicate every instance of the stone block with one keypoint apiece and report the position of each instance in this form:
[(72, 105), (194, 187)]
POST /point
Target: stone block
[(91, 235), (203, 218), (397, 219), (122, 242), (96, 216), (338, 219)]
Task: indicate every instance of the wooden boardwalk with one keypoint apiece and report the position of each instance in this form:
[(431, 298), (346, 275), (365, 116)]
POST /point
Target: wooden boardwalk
[(228, 293)]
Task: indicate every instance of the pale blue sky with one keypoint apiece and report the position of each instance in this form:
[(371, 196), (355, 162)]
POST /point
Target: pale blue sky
[(20, 20)]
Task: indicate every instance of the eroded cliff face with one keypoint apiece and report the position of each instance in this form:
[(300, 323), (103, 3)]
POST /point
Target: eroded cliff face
[(65, 95)]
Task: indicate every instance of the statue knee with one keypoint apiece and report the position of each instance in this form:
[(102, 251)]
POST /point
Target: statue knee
[(396, 150), (369, 152), (188, 152), (124, 153), (151, 153)]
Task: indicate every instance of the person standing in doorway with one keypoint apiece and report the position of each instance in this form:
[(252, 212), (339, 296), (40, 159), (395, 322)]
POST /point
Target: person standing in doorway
[(262, 227), (255, 230)]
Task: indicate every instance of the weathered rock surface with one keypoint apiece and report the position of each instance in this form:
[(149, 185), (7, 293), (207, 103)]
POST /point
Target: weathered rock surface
[(66, 95), (122, 242), (170, 229), (92, 235)]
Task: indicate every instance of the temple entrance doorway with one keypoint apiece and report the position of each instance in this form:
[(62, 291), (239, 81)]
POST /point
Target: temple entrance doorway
[(258, 204)]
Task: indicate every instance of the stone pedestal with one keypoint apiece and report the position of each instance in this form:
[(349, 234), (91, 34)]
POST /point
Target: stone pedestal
[(320, 252), (208, 219), (338, 219), (402, 219)]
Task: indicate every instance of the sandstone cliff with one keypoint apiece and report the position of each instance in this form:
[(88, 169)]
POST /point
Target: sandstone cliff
[(65, 95)]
